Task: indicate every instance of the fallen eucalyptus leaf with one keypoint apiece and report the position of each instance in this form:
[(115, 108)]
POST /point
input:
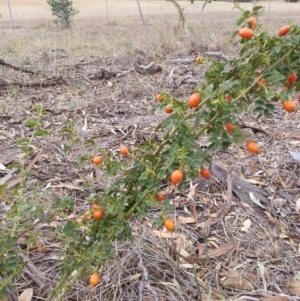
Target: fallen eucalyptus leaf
[(26, 295), (255, 200)]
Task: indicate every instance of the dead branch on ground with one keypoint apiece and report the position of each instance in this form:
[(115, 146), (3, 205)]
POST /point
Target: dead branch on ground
[(188, 78), (79, 64), (218, 54), (181, 61), (106, 74), (19, 178), (242, 188), (16, 68), (53, 81)]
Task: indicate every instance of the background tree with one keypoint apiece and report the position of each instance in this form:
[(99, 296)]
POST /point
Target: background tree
[(63, 10)]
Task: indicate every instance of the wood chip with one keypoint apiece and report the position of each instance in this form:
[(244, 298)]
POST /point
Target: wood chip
[(294, 287), (168, 234), (275, 298), (26, 295)]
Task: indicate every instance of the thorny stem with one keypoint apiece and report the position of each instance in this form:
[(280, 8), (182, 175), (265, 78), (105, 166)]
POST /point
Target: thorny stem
[(175, 129), (208, 124), (237, 5), (203, 129), (68, 287), (132, 209), (261, 76), (171, 134)]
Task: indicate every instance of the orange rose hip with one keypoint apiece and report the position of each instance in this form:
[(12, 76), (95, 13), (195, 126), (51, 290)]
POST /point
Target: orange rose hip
[(205, 173), (97, 214), (194, 100), (94, 279), (289, 106), (160, 196), (176, 177), (124, 150), (97, 160), (230, 127), (252, 147), (169, 224)]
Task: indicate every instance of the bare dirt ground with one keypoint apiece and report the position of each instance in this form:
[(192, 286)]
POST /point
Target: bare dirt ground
[(251, 253)]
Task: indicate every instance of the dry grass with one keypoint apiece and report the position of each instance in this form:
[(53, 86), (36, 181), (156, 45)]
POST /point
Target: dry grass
[(263, 261), (38, 9), (35, 34)]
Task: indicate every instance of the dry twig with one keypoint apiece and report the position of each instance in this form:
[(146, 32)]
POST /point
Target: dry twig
[(145, 281), (16, 68), (181, 61), (32, 271), (18, 179), (52, 81), (218, 54)]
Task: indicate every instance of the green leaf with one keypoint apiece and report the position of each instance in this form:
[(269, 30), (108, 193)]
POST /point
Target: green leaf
[(12, 240), (89, 142), (235, 33), (41, 133), (257, 110), (225, 137), (144, 176), (197, 120), (260, 102), (266, 113), (32, 123), (225, 144), (246, 14), (167, 206), (257, 8), (27, 208), (240, 21), (218, 145), (269, 107), (157, 221), (213, 139), (23, 141), (204, 4)]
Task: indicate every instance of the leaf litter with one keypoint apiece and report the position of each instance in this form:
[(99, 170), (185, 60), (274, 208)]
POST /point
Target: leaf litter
[(225, 261)]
